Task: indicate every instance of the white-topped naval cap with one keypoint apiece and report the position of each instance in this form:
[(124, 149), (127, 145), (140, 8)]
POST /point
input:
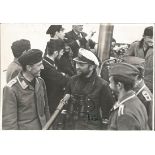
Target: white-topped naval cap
[(86, 56)]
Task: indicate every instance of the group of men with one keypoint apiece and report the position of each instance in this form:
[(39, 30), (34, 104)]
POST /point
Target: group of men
[(68, 73)]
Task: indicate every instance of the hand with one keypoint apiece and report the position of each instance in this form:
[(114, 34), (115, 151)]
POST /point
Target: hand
[(66, 98), (60, 53), (92, 33), (105, 121), (89, 36)]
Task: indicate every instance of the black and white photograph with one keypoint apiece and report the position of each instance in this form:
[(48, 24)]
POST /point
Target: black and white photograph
[(77, 76), (82, 71)]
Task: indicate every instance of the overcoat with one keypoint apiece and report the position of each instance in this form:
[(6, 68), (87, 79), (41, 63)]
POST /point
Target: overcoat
[(24, 107)]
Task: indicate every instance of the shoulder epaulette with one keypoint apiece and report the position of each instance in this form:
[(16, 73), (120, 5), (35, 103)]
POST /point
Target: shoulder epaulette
[(136, 41), (146, 95), (120, 110), (40, 78), (11, 83), (22, 83)]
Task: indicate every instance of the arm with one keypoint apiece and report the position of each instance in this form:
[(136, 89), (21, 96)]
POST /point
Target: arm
[(47, 113), (107, 101), (67, 92), (9, 113), (56, 77), (131, 50)]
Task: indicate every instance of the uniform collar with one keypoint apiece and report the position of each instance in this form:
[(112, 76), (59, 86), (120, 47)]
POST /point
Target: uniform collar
[(139, 87), (125, 98), (49, 61), (25, 84), (16, 61)]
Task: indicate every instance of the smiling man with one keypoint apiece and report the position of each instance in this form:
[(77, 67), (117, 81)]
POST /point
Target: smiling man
[(25, 104), (90, 96)]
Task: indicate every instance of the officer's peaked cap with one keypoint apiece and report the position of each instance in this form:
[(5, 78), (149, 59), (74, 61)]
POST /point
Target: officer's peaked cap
[(86, 56)]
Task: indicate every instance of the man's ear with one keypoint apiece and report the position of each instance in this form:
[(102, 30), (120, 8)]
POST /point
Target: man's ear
[(119, 85), (92, 67), (28, 67), (56, 33)]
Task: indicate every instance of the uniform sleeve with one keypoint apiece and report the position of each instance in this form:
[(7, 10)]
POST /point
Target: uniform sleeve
[(47, 112), (68, 87), (71, 41), (148, 77), (150, 107), (126, 122), (9, 112), (55, 76), (107, 101), (130, 51)]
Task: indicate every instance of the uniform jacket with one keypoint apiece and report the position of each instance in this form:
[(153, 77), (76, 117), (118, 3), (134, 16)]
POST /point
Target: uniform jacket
[(136, 50), (94, 89), (12, 71), (145, 95), (71, 40), (66, 65), (128, 114), (24, 107), (55, 83)]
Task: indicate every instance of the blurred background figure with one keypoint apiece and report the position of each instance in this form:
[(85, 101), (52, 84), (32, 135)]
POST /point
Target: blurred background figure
[(77, 39), (65, 63), (144, 49), (18, 47), (56, 32), (112, 51)]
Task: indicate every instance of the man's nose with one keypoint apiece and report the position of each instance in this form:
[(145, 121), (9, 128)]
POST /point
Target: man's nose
[(42, 66), (77, 66)]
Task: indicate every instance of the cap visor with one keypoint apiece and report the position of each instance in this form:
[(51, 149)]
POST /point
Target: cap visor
[(78, 60)]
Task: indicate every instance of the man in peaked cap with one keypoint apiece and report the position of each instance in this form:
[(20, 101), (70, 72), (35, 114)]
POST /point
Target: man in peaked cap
[(18, 47), (25, 104), (128, 113), (144, 49), (142, 91), (89, 97)]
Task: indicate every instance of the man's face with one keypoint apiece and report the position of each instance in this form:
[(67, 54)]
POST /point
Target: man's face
[(68, 50), (148, 40), (78, 28), (36, 69), (113, 85), (61, 34), (82, 69)]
